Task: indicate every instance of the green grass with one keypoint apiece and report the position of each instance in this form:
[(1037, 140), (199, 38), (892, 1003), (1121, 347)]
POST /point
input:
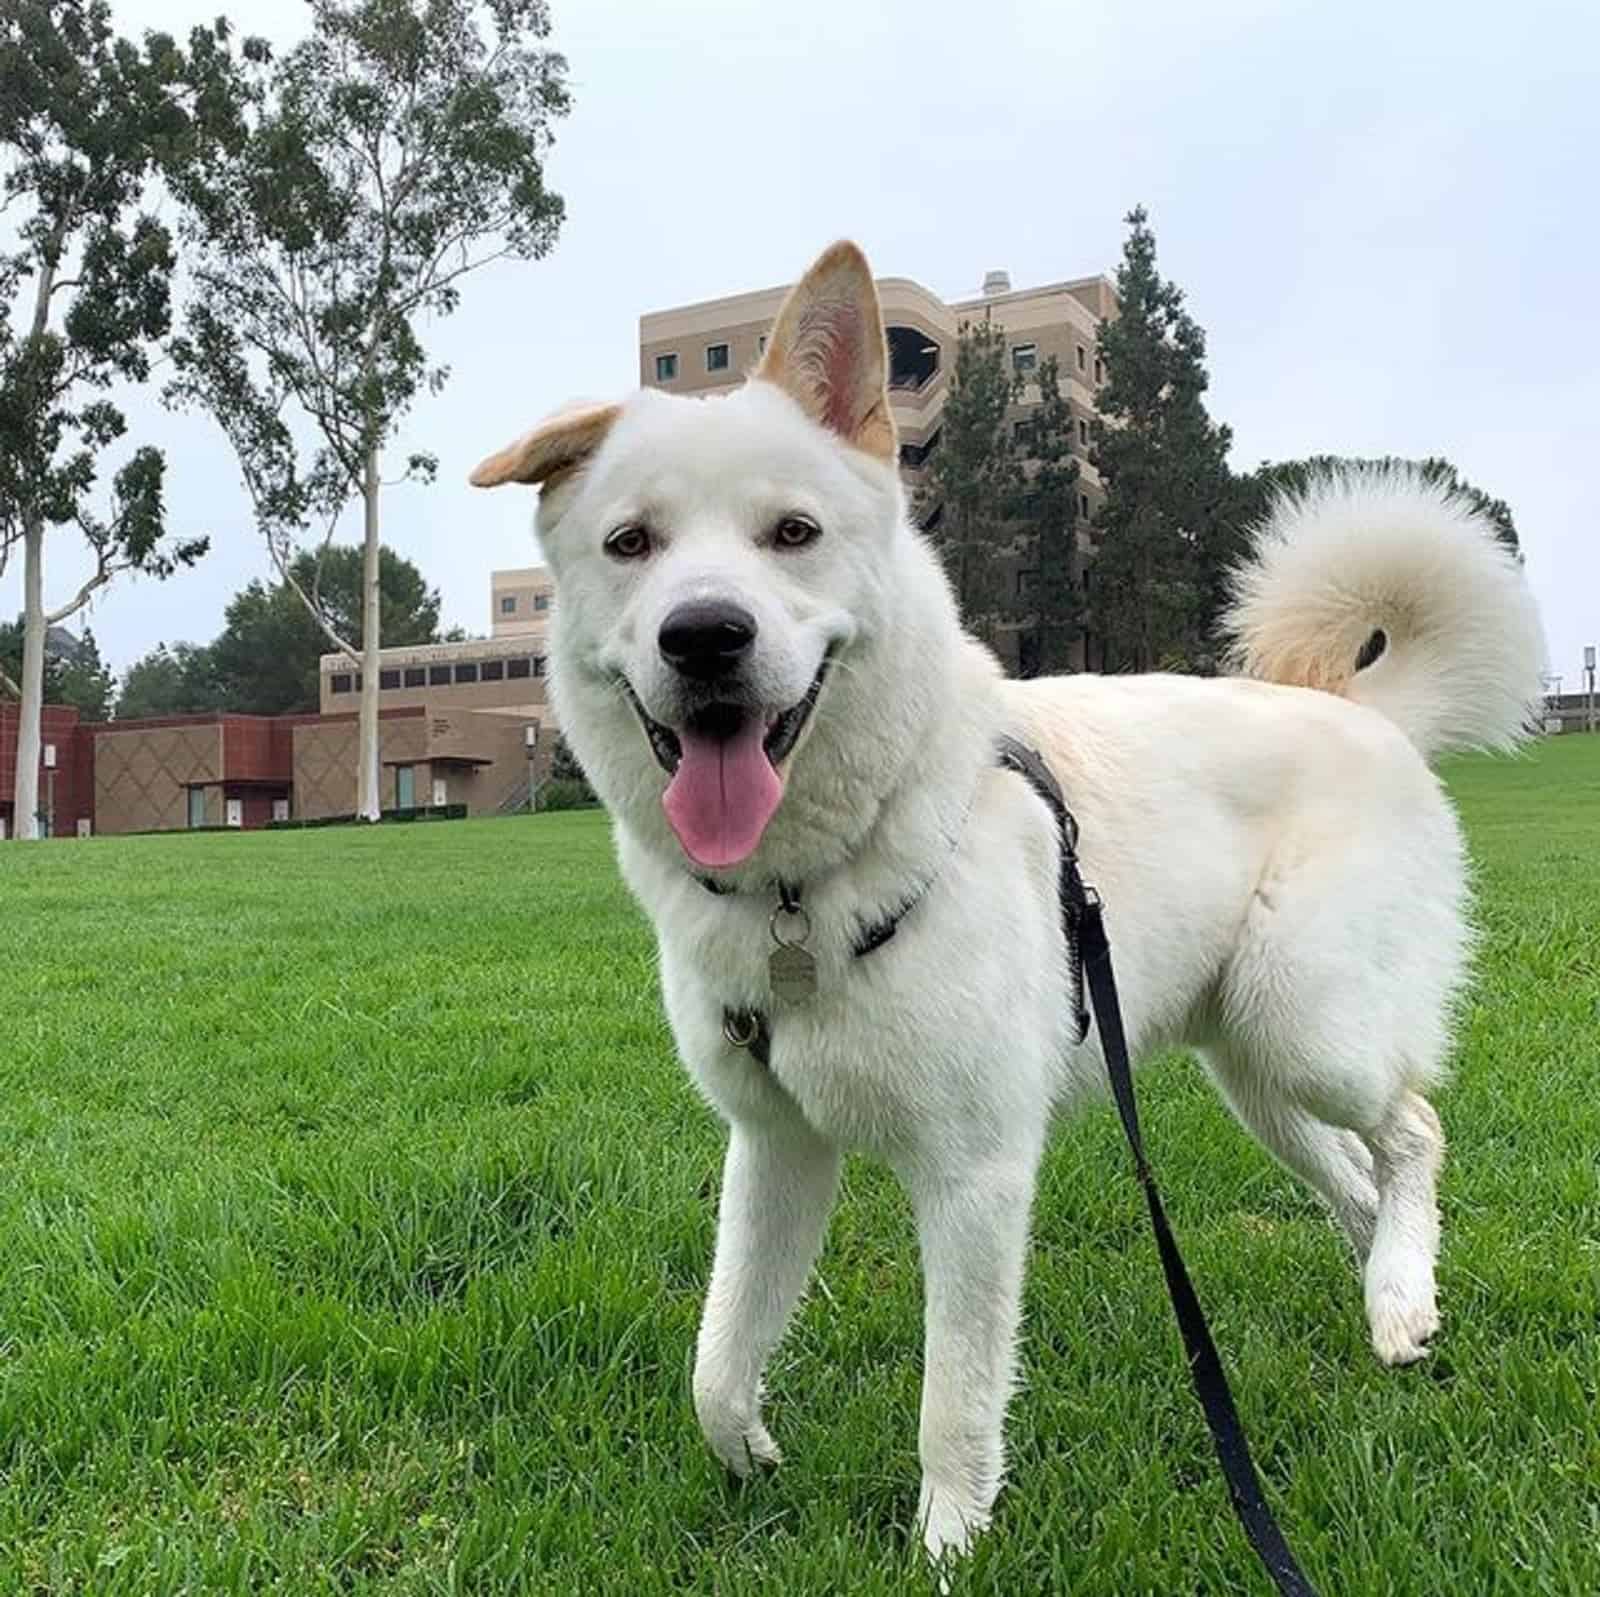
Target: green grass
[(356, 1214)]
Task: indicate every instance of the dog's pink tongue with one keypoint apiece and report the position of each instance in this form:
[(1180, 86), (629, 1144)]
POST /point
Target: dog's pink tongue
[(723, 795)]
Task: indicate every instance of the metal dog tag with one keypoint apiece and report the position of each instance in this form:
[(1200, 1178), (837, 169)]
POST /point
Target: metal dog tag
[(793, 972)]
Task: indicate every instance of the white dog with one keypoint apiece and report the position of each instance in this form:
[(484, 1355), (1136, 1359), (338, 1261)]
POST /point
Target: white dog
[(758, 660)]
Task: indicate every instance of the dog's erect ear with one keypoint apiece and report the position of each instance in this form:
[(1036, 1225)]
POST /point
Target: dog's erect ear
[(827, 351), (557, 444)]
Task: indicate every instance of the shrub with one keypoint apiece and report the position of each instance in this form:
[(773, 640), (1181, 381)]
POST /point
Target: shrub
[(566, 793)]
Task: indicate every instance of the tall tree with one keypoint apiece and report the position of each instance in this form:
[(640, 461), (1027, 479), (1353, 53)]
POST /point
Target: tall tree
[(398, 149), (267, 658), (175, 681), (12, 636), (84, 680), (1167, 535), (973, 479), (87, 120), (1046, 508)]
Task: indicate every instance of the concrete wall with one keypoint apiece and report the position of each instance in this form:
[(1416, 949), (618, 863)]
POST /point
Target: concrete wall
[(325, 754), (143, 772)]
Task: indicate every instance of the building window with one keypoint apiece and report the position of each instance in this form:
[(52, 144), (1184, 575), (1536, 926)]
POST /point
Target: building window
[(466, 673), (761, 345), (913, 357), (541, 601), (1025, 433), (538, 665), (1083, 506), (914, 455), (1099, 370), (197, 806), (517, 669), (716, 357), (415, 676), (388, 679), (1083, 358), (1083, 432), (1024, 358), (339, 682), (508, 604), (494, 670), (666, 368), (438, 676), (405, 787)]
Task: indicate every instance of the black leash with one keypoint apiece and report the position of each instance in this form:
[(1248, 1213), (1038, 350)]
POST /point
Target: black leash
[(1089, 955), (1084, 920), (1205, 1363)]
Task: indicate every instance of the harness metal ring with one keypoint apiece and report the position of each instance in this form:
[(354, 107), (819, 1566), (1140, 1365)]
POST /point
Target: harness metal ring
[(790, 942), (741, 1030)]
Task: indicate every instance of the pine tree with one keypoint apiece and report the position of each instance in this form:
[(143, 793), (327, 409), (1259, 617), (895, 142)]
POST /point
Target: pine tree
[(973, 476), (83, 679), (1046, 510), (1166, 534)]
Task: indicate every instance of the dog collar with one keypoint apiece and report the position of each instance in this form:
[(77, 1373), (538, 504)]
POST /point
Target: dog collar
[(793, 967), (873, 934)]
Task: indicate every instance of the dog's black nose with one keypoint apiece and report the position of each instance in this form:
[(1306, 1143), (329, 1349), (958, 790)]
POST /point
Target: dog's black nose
[(707, 638)]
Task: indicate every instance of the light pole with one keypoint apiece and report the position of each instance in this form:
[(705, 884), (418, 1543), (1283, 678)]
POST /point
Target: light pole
[(530, 741), (1588, 671)]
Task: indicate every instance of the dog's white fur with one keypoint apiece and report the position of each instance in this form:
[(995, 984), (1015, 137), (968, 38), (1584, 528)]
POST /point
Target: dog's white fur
[(1283, 874)]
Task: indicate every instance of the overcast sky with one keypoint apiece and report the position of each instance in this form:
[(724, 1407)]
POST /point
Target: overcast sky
[(1376, 210)]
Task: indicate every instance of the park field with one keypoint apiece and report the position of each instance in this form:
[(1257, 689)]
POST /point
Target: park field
[(355, 1216)]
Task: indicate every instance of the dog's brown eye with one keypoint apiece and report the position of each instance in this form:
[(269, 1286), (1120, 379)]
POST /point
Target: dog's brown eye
[(628, 543), (795, 532)]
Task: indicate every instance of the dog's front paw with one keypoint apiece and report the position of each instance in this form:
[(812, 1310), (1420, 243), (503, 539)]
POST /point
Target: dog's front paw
[(949, 1522), (735, 1432)]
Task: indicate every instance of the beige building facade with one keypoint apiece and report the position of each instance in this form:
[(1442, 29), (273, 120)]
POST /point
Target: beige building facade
[(429, 755), (519, 601), (459, 723), (712, 346), (503, 672)]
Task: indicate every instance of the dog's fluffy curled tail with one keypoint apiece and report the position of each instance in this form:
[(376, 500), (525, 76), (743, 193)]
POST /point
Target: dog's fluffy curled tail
[(1394, 592)]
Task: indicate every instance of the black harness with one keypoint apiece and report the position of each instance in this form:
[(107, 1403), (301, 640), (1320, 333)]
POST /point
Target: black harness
[(1089, 958)]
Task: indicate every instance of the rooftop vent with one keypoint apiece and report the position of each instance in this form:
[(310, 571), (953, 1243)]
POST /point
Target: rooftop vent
[(996, 283)]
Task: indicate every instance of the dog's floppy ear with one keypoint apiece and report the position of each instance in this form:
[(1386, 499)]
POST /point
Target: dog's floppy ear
[(827, 351), (557, 444)]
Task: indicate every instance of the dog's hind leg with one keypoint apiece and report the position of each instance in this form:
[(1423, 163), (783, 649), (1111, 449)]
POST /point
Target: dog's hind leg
[(778, 1186), (1316, 1028), (1334, 1162), (1378, 1171), (1407, 1149)]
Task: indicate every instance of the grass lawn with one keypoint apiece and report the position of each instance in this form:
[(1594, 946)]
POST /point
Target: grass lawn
[(356, 1213)]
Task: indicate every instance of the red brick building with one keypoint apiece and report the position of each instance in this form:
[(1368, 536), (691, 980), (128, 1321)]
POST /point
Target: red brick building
[(183, 772), (66, 769), (453, 730)]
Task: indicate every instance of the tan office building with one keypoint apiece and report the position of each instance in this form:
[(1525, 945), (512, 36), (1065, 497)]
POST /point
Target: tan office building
[(455, 717), (712, 346)]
